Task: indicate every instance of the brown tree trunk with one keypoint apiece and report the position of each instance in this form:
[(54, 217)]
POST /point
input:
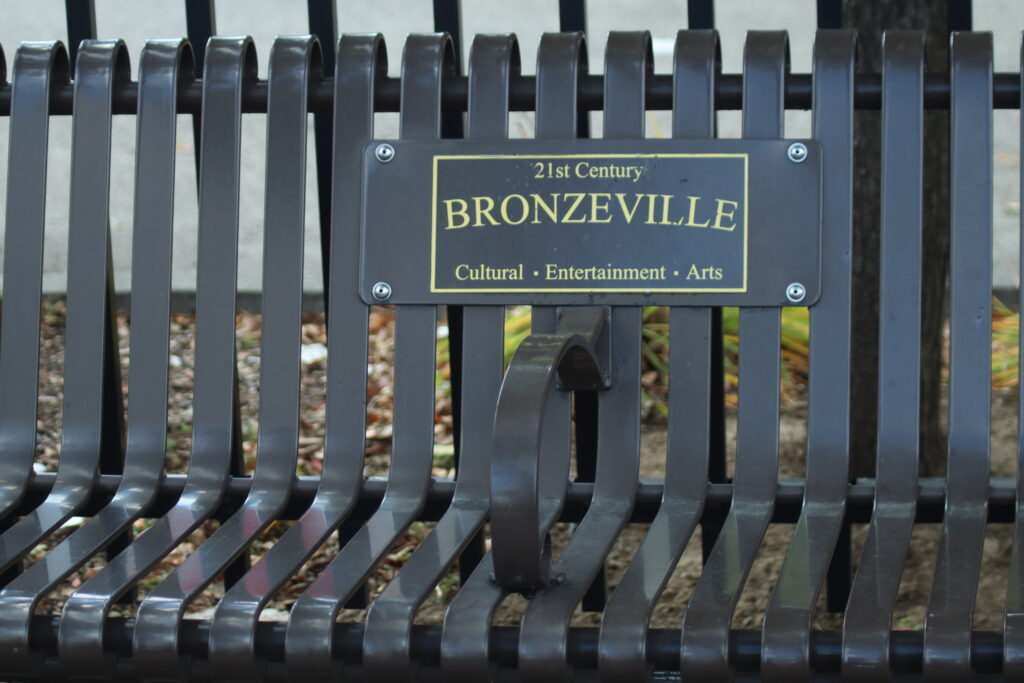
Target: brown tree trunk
[(871, 18)]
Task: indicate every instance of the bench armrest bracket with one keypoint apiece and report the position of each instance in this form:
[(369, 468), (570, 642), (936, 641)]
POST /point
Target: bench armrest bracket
[(576, 357)]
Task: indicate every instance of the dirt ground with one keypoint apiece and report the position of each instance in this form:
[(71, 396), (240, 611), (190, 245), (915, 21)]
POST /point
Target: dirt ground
[(668, 613)]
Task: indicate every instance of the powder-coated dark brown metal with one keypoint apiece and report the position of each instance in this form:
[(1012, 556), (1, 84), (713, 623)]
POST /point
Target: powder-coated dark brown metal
[(229, 62), (515, 440), (866, 641), (683, 222)]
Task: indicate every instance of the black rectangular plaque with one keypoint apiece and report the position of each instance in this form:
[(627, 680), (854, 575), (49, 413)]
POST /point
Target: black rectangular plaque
[(680, 222)]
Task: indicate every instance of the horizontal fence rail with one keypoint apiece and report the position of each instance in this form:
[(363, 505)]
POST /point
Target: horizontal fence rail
[(1006, 89)]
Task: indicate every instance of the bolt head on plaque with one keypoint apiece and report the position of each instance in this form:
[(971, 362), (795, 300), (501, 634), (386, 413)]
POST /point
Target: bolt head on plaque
[(797, 152), (384, 153), (381, 291), (796, 292)]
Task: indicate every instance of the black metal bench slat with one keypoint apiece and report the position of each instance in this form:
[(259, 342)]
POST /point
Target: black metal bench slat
[(36, 67), (545, 625), (866, 643), (90, 287), (467, 646), (214, 439), (233, 650), (386, 644), (623, 642), (788, 618), (308, 651), (293, 61), (464, 655), (1013, 620), (705, 642), (147, 424), (947, 653)]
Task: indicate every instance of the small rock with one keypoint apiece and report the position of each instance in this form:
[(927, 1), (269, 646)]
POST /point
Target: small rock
[(313, 353)]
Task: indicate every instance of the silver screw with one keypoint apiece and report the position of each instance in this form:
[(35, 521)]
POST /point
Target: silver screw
[(384, 153), (381, 291), (797, 152), (795, 292)]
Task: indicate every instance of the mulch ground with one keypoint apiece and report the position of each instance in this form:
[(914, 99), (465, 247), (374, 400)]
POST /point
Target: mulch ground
[(916, 580)]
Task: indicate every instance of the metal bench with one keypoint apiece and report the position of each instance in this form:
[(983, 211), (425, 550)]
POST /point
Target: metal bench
[(513, 477)]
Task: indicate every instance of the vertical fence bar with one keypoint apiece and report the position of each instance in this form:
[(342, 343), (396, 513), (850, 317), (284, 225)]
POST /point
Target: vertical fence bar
[(700, 14), (960, 15), (81, 20), (572, 18), (323, 25), (200, 24), (830, 14)]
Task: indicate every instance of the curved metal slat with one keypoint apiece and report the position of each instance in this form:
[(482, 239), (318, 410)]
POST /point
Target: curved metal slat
[(36, 67), (308, 643), (1013, 621), (788, 619), (103, 66), (875, 585), (164, 64), (544, 634), (387, 641), (230, 61), (705, 641), (622, 648), (293, 61), (947, 628), (464, 649), (233, 651)]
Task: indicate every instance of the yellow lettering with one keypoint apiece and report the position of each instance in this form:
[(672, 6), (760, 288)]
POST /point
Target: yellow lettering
[(603, 206), (449, 205), (720, 213), (581, 169), (626, 211), (483, 207), (692, 219), (693, 273), (551, 211), (579, 196), (651, 198), (666, 199), (522, 202)]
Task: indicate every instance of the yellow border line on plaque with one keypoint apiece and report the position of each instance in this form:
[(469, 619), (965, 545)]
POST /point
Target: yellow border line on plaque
[(546, 290)]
